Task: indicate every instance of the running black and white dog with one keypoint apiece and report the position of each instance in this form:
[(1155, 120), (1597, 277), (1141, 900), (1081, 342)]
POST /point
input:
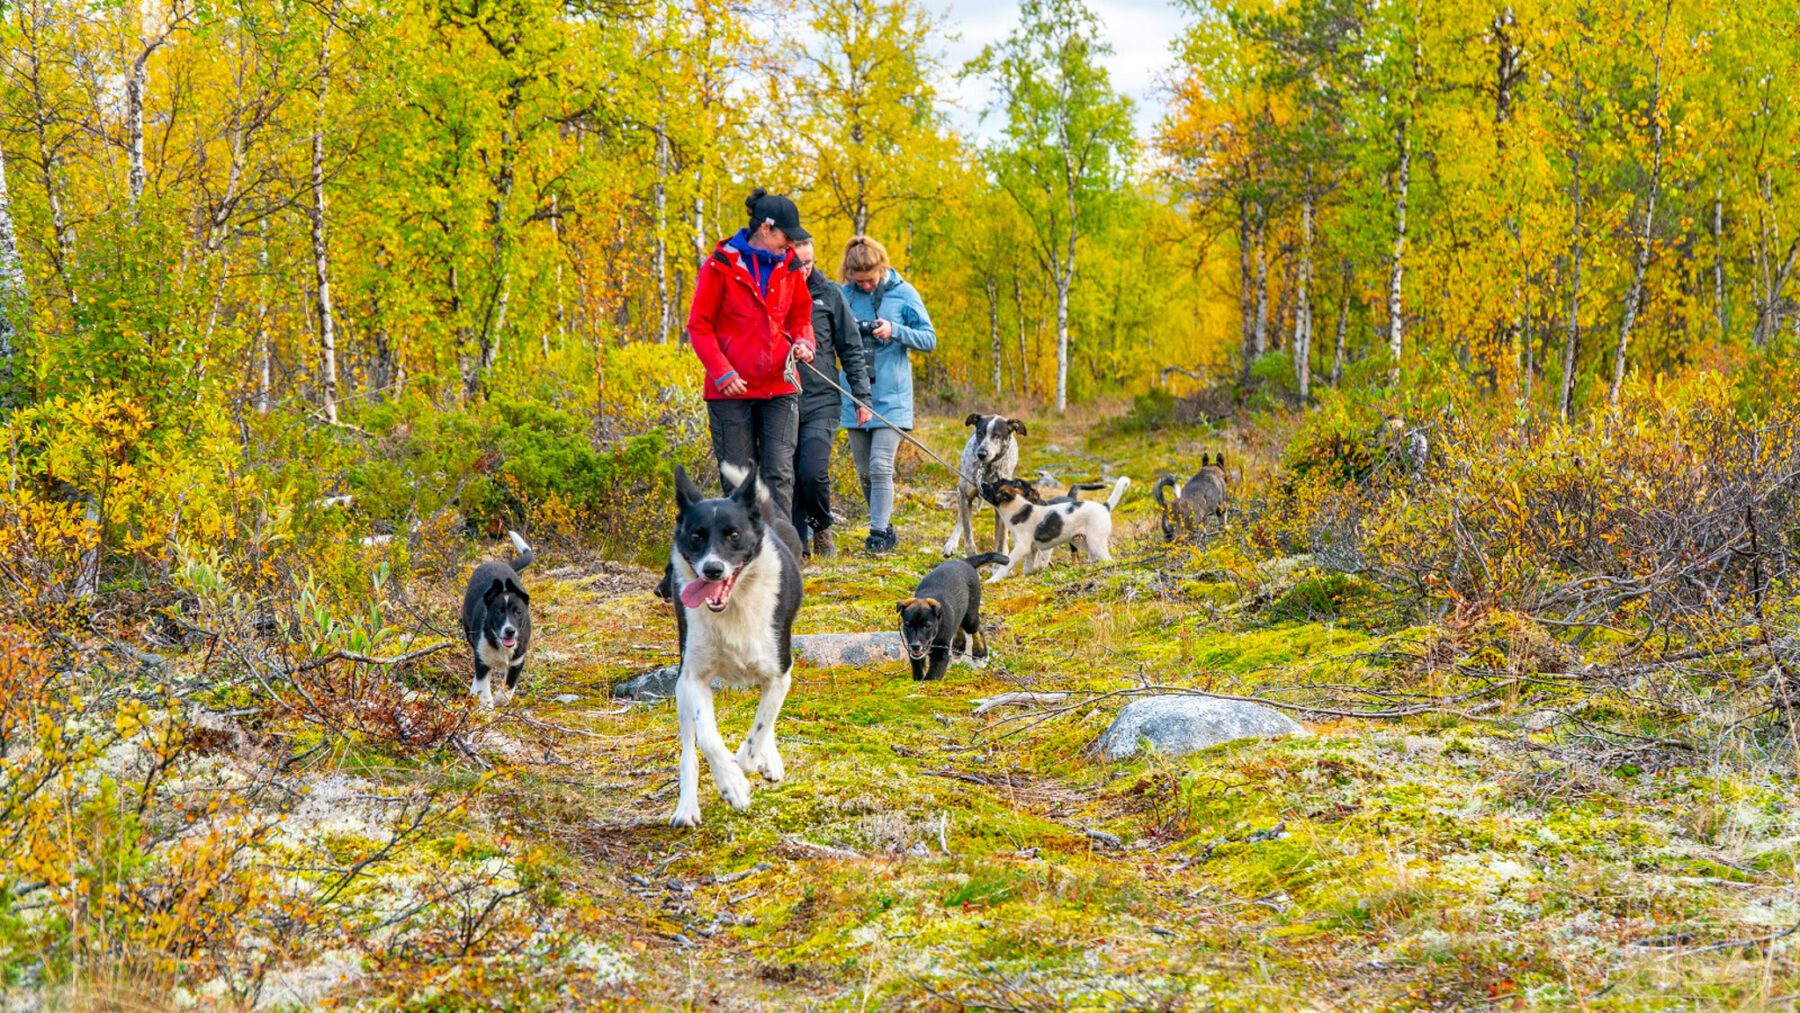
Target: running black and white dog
[(1035, 528), (944, 615), (735, 565), (496, 620), (991, 454)]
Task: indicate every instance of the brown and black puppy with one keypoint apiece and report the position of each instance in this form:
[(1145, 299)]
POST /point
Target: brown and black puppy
[(1202, 497), (944, 615)]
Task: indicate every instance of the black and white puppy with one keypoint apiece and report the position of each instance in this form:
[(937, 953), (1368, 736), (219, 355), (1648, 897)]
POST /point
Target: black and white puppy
[(1035, 528), (496, 620), (991, 454), (736, 579), (944, 615)]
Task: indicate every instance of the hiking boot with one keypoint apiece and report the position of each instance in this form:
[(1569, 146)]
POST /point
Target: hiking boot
[(824, 543), (880, 542)]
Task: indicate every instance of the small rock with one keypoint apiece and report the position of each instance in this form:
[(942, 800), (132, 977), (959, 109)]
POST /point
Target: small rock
[(566, 697), (829, 649), (656, 684), (1176, 725)]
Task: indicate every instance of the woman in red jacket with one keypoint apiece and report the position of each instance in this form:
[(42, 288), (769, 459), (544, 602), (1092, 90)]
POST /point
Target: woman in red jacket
[(751, 308)]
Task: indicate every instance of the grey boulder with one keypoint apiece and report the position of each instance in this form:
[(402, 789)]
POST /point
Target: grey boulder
[(656, 684), (1178, 724)]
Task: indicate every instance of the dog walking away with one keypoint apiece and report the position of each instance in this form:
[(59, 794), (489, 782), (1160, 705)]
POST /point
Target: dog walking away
[(1202, 497), (496, 620), (1036, 528), (991, 454), (944, 615), (736, 579)]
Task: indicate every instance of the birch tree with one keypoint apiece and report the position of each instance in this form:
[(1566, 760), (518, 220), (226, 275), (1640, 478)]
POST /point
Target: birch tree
[(1066, 143)]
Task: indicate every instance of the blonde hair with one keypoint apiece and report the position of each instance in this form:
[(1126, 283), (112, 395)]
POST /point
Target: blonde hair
[(863, 255)]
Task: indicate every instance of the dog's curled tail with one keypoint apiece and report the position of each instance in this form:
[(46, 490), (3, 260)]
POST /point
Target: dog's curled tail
[(1167, 481), (982, 559), (736, 474), (526, 554), (1118, 492)]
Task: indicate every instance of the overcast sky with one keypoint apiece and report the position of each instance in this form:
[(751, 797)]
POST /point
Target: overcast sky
[(1140, 32)]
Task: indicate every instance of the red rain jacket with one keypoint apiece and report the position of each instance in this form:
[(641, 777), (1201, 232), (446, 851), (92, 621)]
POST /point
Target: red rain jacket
[(737, 332)]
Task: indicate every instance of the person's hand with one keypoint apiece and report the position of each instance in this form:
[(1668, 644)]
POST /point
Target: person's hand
[(864, 416), (883, 329), (803, 352), (735, 387)]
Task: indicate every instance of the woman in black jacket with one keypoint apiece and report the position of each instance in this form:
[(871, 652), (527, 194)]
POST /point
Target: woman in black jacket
[(840, 347)]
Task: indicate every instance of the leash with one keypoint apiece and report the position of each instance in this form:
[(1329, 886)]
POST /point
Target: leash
[(908, 437)]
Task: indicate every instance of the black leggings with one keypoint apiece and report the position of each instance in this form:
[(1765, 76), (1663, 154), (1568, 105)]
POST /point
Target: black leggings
[(812, 468)]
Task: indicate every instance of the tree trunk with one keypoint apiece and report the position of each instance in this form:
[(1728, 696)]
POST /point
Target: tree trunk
[(493, 325), (1262, 285), (14, 308), (135, 80), (1063, 279), (1246, 287), (1572, 339), (63, 253), (666, 315), (1718, 237), (1635, 294), (320, 251), (1343, 325), (263, 352), (993, 301), (1396, 272), (1024, 374), (1303, 302)]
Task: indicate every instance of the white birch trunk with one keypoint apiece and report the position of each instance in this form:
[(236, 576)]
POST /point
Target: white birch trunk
[(1303, 302), (1396, 272), (320, 250), (14, 309)]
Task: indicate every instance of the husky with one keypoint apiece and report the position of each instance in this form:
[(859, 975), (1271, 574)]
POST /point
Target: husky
[(735, 575), (1036, 528), (991, 454), (496, 620), (1202, 498), (944, 615)]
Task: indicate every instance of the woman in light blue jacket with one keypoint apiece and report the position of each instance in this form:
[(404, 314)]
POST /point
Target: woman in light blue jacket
[(893, 323)]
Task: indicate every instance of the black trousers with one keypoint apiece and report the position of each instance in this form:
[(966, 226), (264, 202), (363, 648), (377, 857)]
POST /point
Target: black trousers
[(759, 431), (812, 468)]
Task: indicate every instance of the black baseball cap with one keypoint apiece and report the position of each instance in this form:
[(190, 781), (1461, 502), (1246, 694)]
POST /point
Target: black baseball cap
[(780, 212)]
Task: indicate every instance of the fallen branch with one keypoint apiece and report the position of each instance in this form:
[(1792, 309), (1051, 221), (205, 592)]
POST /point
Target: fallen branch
[(821, 850), (1018, 699), (364, 659), (1730, 944)]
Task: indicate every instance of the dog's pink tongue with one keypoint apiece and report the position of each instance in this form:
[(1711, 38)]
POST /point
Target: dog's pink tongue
[(698, 591)]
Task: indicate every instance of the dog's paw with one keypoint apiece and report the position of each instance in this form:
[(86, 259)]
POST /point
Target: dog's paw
[(734, 787), (502, 698), (687, 814), (765, 760), (978, 661), (482, 694)]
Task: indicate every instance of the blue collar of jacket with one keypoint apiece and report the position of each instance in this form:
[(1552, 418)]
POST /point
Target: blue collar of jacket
[(760, 263)]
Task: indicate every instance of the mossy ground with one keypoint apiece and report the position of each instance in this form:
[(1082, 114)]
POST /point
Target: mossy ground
[(1430, 861)]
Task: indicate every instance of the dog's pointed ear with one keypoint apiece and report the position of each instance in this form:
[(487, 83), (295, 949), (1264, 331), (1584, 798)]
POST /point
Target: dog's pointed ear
[(745, 493), (1017, 427), (901, 605), (1219, 459), (932, 605), (513, 587), (972, 419), (495, 590), (686, 492)]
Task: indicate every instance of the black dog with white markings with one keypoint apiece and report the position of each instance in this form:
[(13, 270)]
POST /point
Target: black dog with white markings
[(735, 569), (944, 615), (496, 620)]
